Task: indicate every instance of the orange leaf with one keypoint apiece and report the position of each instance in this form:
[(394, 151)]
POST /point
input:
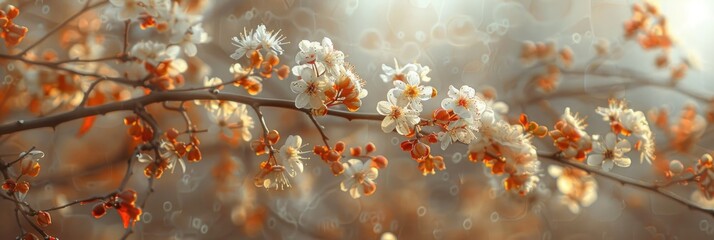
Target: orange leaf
[(86, 125)]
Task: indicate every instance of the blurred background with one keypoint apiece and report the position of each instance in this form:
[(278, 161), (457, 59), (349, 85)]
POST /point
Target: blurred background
[(472, 42)]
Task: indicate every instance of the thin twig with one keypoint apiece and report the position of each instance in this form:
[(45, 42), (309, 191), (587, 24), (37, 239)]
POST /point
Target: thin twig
[(654, 188)]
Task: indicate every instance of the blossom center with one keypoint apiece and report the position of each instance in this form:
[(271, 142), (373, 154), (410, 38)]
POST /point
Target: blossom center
[(291, 152), (396, 112), (609, 154), (412, 91), (463, 102), (312, 88), (359, 177)]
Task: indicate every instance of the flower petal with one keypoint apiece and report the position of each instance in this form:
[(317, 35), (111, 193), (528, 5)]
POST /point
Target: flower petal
[(388, 124), (608, 165), (622, 161), (298, 86), (610, 141), (595, 159)]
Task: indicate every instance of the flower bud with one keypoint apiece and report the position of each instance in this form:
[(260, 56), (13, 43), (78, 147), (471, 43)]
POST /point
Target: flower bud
[(340, 146), (676, 167), (356, 151), (370, 148), (43, 218), (380, 162), (420, 150), (337, 168), (99, 210), (273, 136)]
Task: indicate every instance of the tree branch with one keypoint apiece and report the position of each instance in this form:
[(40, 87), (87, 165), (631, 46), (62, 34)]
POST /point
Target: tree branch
[(157, 97), (650, 187)]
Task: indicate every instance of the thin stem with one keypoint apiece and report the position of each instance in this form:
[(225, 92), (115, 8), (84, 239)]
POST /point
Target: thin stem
[(19, 158), (83, 201), (320, 129), (157, 97), (88, 92), (264, 126)]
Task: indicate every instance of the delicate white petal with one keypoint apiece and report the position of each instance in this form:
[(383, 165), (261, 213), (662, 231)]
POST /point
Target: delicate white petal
[(607, 165), (623, 146), (190, 49), (302, 100), (468, 91), (448, 103), (388, 124), (347, 184), (403, 127), (622, 161), (354, 192), (595, 159), (384, 108), (413, 78), (372, 173), (610, 141)]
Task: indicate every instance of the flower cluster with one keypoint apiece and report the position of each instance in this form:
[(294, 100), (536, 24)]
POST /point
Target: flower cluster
[(649, 27), (172, 17), (232, 118), (579, 189), (281, 164), (570, 138), (249, 45), (29, 166), (400, 73), (325, 79), (125, 204), (547, 54), (138, 129), (627, 122), (260, 39), (161, 62), (404, 101), (171, 154), (16, 188), (685, 132), (10, 31), (506, 149)]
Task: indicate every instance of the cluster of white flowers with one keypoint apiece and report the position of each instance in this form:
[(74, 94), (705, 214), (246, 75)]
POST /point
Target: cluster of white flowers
[(256, 40), (626, 122), (404, 101), (231, 117), (324, 78), (288, 162), (468, 107), (400, 73), (184, 26), (158, 53), (506, 148), (577, 186)]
